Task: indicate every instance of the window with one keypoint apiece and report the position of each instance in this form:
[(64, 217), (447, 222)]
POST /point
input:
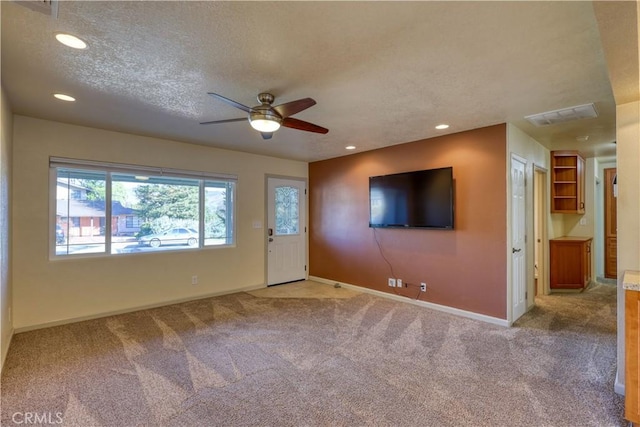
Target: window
[(132, 221), (79, 219), (131, 209)]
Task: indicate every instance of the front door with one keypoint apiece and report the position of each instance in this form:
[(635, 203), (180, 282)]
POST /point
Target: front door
[(286, 231), (518, 230)]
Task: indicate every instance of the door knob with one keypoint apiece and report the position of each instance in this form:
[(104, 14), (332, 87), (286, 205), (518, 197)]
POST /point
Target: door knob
[(514, 250), (270, 239)]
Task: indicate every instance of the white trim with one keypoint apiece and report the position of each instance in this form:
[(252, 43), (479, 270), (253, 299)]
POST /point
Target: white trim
[(134, 309), (58, 162), (424, 304)]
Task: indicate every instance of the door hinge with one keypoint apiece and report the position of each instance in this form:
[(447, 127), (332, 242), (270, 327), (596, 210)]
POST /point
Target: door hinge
[(305, 191), (526, 295), (305, 268), (305, 229)]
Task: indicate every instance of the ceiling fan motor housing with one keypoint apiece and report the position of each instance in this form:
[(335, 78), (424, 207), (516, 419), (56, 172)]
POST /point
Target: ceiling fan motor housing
[(263, 117)]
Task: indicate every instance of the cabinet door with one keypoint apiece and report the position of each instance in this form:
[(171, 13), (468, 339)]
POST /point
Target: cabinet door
[(587, 263), (632, 355), (567, 263)]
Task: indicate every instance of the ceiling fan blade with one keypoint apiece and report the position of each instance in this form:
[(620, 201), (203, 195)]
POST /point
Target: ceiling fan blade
[(302, 125), (266, 135), (290, 108), (230, 102), (212, 122)]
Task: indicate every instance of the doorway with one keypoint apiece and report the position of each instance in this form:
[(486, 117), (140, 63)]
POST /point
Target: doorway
[(610, 224), (541, 276), (286, 230)]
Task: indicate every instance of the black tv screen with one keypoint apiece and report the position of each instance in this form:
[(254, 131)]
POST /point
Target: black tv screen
[(420, 199)]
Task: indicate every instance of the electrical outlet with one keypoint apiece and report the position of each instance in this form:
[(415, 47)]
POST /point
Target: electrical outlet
[(194, 280), (423, 287), (399, 283), (392, 282)]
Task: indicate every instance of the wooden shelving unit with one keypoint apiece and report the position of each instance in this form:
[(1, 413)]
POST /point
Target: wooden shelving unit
[(567, 182)]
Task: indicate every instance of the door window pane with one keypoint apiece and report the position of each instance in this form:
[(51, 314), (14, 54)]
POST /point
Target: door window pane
[(286, 215)]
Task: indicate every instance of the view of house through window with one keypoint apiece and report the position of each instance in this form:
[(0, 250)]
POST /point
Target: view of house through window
[(147, 213), (80, 205)]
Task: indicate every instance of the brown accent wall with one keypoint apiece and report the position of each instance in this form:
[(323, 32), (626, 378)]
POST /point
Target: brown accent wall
[(464, 268)]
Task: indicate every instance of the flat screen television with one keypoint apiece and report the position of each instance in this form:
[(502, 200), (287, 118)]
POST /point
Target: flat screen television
[(420, 199)]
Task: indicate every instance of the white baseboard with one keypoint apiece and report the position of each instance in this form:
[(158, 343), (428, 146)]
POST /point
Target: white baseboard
[(618, 387), (6, 351), (132, 309), (425, 304)]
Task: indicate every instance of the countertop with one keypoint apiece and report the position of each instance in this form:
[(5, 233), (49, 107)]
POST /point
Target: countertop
[(631, 280), (571, 239)]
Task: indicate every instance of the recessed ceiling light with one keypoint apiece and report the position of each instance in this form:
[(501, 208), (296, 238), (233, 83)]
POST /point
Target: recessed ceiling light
[(350, 147), (63, 97), (71, 41), (442, 126)]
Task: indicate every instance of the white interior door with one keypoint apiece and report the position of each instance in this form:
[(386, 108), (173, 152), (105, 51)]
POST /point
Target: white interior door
[(518, 230), (286, 231)]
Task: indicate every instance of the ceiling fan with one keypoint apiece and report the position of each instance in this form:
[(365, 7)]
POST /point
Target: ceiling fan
[(267, 119)]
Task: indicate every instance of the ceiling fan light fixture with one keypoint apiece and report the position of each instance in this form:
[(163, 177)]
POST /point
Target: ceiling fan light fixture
[(264, 122)]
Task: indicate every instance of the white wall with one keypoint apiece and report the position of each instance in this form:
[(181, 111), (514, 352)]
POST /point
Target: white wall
[(53, 291), (6, 327), (536, 154), (628, 162)]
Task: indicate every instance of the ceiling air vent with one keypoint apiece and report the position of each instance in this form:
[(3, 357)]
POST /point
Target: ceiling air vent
[(586, 111), (48, 7)]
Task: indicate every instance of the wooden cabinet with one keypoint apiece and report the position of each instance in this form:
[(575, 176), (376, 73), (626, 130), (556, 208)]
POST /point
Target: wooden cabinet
[(570, 262), (632, 355), (567, 182)]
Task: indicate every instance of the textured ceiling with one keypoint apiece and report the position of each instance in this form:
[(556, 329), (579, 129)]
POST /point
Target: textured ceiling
[(383, 73)]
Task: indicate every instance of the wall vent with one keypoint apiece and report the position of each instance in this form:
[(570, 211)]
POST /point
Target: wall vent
[(586, 111), (47, 7)]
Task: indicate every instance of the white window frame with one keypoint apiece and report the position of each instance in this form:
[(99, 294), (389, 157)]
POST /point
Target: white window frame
[(109, 168)]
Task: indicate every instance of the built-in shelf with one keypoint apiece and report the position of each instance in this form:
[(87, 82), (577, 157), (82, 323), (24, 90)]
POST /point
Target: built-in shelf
[(567, 182)]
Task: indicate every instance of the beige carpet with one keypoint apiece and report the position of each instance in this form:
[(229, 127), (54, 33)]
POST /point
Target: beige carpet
[(241, 360)]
